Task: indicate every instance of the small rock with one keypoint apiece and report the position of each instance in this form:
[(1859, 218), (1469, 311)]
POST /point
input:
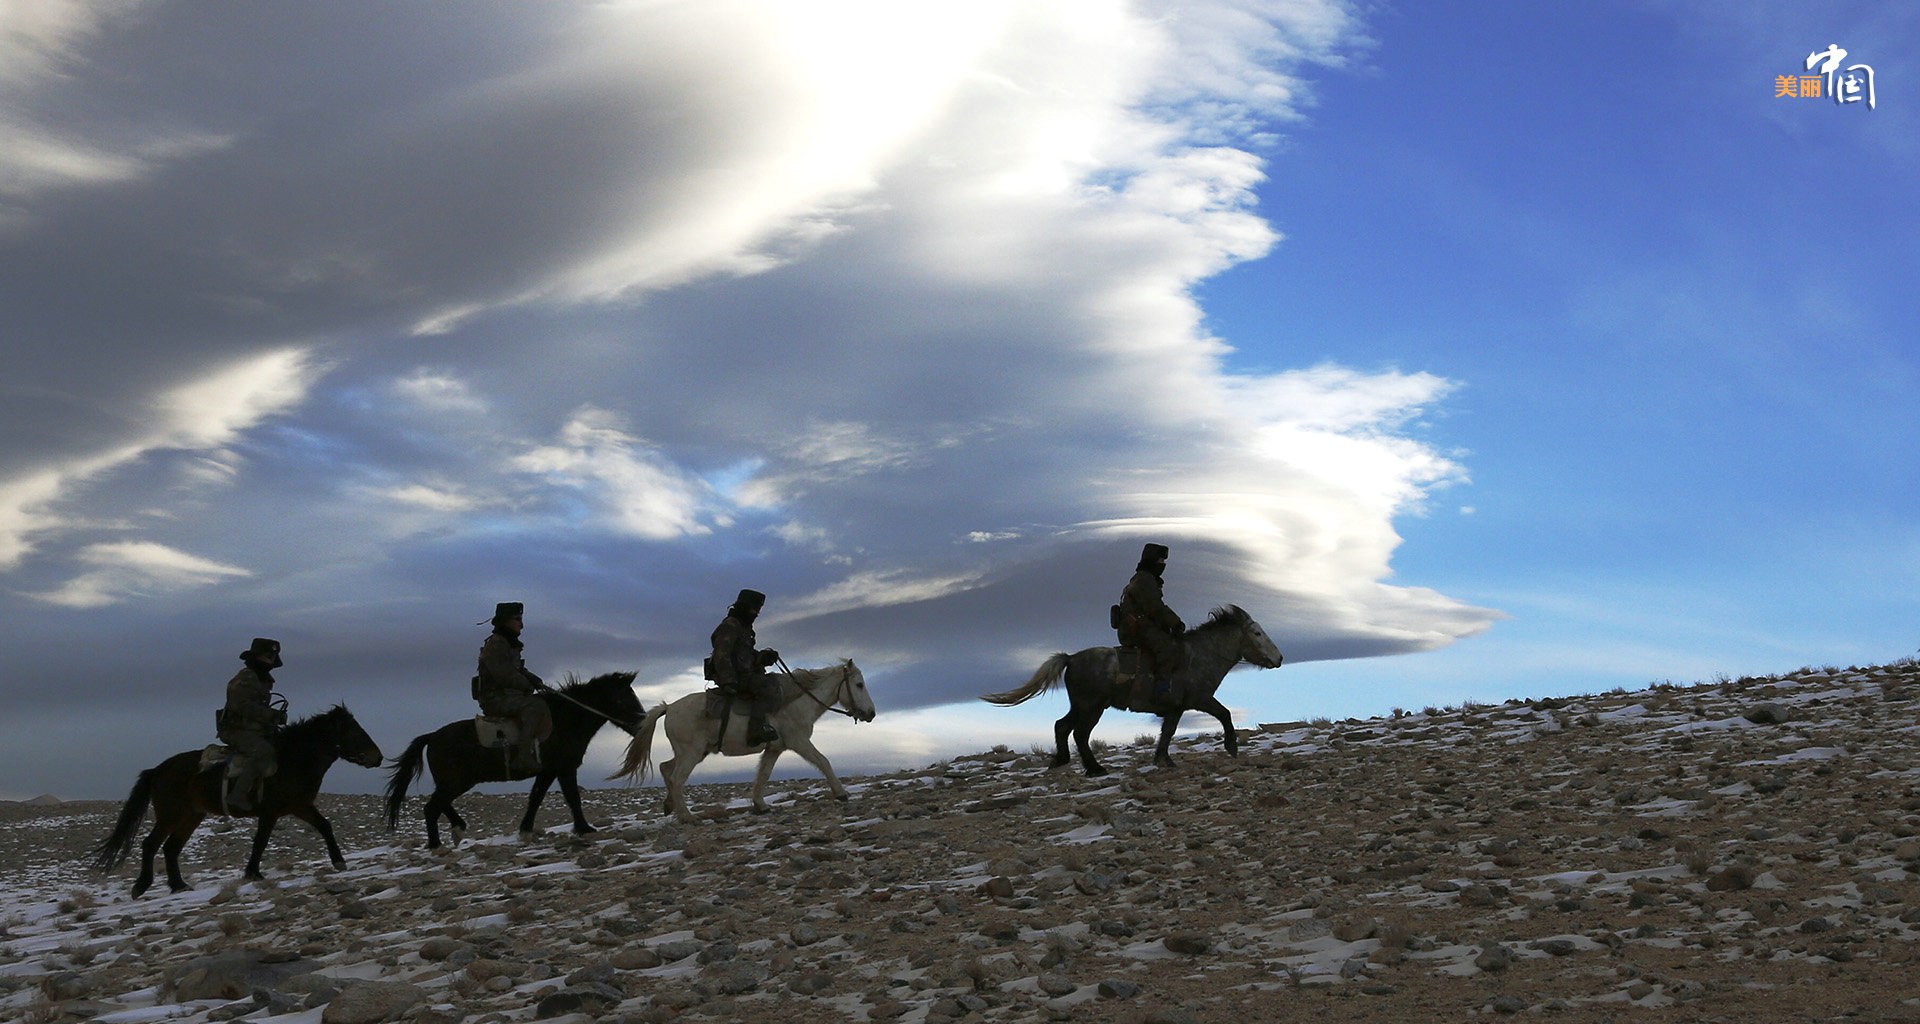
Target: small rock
[(1494, 958), (1118, 988), (1188, 943), (370, 1002), (1057, 985), (634, 958), (593, 998)]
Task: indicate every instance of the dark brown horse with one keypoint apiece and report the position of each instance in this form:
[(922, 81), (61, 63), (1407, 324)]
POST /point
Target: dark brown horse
[(1227, 638), (459, 762), (182, 795)]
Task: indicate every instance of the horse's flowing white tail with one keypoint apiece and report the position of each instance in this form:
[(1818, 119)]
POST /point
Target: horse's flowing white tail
[(1044, 678), (640, 748)]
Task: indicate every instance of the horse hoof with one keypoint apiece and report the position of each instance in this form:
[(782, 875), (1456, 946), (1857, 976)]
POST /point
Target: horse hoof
[(843, 797), (182, 887), (1094, 773), (760, 810), (340, 864), (584, 829), (526, 835)]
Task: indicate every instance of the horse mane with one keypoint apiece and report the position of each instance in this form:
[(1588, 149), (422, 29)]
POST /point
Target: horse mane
[(298, 732), (574, 684), (1225, 615)]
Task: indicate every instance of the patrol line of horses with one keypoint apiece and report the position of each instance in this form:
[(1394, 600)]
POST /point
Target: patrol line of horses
[(181, 793)]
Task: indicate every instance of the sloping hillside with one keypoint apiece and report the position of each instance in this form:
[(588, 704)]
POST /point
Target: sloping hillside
[(1743, 850)]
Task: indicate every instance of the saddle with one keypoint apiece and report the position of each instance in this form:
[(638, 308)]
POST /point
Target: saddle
[(215, 755), (496, 733)]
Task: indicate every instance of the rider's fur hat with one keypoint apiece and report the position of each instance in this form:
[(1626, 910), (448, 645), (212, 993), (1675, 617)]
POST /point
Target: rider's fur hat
[(749, 601), (1153, 554), (507, 611), (265, 650)]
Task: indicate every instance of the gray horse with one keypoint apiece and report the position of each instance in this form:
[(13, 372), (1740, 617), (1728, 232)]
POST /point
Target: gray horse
[(805, 695), (1227, 638)]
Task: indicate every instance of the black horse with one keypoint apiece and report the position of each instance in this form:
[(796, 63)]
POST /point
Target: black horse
[(459, 762), (182, 794), (1227, 638)]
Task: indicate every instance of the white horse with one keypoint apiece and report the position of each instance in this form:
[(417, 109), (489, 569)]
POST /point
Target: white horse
[(805, 695)]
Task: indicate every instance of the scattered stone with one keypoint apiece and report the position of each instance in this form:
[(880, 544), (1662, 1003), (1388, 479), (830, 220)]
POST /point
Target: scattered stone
[(371, 1002)]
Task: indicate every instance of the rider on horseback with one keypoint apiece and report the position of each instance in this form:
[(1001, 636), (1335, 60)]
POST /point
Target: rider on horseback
[(249, 722), (1146, 623), (505, 689), (741, 670)]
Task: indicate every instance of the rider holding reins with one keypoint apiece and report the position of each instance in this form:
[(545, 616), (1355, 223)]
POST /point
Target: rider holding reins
[(740, 669), (1148, 624), (506, 689), (248, 723)]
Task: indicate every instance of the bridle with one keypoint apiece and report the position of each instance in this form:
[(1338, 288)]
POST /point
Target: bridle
[(628, 727), (846, 675)]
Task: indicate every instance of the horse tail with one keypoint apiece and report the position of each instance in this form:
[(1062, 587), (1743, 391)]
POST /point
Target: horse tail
[(1044, 678), (115, 847), (640, 748), (406, 768)]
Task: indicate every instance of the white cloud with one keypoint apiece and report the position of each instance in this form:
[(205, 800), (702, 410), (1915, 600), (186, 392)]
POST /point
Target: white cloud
[(127, 569), (439, 391), (202, 416), (635, 489)]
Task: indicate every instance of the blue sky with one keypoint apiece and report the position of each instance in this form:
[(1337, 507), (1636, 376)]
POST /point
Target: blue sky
[(1476, 357), (1676, 309)]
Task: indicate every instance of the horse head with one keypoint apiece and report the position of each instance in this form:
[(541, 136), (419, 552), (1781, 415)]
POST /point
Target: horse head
[(351, 739), (853, 694), (1256, 648), (1231, 631)]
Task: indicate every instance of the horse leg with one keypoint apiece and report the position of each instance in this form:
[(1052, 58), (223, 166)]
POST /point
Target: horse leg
[(666, 770), (260, 833), (1212, 706), (1060, 730), (147, 848), (1082, 733), (176, 841), (804, 747), (676, 780), (760, 777), (437, 805), (312, 816), (534, 798), (570, 789), (1168, 723)]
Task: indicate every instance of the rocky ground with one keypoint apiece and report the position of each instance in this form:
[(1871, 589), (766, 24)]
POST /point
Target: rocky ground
[(1744, 850)]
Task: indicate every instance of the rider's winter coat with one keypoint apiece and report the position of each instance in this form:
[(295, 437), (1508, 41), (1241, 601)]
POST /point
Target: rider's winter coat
[(736, 661), (505, 685), (1143, 608), (1147, 623), (249, 704)]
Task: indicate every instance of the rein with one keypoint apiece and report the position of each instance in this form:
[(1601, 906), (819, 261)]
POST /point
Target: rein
[(844, 676), (592, 710)]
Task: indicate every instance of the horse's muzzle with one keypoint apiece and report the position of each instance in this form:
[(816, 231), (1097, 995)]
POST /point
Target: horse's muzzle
[(369, 758)]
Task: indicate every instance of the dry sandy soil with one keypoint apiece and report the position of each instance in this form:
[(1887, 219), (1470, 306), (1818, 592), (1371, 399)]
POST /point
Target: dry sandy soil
[(1744, 850)]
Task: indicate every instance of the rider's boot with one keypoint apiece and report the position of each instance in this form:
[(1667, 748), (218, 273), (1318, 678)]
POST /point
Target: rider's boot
[(240, 798), (526, 757), (758, 731)]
